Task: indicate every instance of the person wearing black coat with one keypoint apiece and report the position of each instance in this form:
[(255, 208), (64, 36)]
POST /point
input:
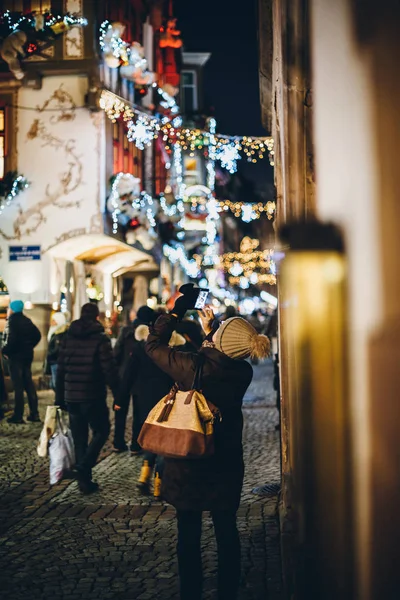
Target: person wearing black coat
[(21, 337), (214, 483), (123, 348), (151, 385), (86, 366)]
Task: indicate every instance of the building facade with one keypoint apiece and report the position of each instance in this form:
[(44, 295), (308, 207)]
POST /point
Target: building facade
[(58, 243), (330, 92)]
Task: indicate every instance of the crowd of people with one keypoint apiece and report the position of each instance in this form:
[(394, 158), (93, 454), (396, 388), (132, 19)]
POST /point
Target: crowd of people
[(153, 352)]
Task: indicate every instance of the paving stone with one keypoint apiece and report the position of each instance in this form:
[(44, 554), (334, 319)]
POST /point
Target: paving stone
[(116, 544)]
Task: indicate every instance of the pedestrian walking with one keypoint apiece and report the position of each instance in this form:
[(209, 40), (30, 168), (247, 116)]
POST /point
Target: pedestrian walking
[(215, 483), (57, 332), (151, 384), (21, 336), (86, 366), (122, 351)]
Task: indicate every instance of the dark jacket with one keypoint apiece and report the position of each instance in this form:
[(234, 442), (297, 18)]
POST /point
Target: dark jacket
[(213, 483), (86, 365), (55, 342), (124, 345), (22, 336), (149, 381)]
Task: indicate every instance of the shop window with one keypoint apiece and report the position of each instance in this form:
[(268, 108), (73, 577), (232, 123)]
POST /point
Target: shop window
[(27, 6), (40, 6), (8, 154), (189, 102)]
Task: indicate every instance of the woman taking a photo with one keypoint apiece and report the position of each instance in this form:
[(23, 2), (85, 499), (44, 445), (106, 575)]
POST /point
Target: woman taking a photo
[(215, 483)]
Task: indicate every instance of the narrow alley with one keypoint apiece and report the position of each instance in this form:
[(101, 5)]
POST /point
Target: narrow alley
[(116, 544)]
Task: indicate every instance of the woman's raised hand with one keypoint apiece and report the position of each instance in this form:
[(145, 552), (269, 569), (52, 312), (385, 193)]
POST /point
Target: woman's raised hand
[(207, 319)]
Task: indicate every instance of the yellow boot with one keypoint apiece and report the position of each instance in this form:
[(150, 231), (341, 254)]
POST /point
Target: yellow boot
[(157, 487), (144, 478)]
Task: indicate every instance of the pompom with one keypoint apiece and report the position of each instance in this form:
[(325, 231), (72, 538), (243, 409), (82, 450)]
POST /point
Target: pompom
[(141, 333), (259, 346)]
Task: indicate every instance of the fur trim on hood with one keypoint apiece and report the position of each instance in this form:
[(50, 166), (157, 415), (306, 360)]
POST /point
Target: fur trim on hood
[(176, 340), (142, 333)]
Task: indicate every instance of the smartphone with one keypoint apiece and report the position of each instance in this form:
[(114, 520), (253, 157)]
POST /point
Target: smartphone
[(201, 299)]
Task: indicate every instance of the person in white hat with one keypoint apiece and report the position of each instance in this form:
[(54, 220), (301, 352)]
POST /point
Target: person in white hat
[(215, 483)]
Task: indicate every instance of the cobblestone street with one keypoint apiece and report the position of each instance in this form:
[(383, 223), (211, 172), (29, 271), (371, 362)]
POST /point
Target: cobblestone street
[(115, 544)]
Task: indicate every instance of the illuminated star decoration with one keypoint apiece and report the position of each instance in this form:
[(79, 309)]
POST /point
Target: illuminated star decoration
[(228, 155), (141, 132)]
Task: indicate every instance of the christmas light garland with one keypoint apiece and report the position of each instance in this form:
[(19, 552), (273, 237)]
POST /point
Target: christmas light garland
[(39, 23), (225, 149), (248, 211), (177, 255), (12, 185), (212, 125), (249, 266), (24, 35)]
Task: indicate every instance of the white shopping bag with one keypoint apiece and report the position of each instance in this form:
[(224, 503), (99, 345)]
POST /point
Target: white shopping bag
[(49, 427), (61, 450)]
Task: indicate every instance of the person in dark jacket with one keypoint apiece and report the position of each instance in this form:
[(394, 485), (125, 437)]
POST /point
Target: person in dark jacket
[(86, 366), (151, 385), (21, 337), (57, 333), (124, 346), (215, 483)]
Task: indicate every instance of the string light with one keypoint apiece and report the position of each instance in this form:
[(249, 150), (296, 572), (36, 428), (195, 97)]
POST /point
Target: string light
[(228, 155), (188, 139), (269, 279), (168, 101), (177, 255), (248, 266), (116, 108), (115, 202), (212, 125), (118, 53), (50, 20), (247, 211), (18, 185), (178, 167)]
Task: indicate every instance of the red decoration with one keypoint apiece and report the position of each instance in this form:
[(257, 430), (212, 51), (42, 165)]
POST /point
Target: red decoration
[(170, 36), (134, 223), (142, 91), (32, 48)]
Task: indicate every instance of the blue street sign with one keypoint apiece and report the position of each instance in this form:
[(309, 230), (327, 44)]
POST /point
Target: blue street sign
[(24, 253)]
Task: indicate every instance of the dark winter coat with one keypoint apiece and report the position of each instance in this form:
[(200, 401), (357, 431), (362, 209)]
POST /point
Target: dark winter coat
[(149, 381), (55, 342), (86, 364), (124, 345), (213, 483), (22, 336)]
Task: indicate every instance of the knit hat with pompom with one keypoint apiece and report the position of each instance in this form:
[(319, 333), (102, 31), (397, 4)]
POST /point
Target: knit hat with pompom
[(238, 339)]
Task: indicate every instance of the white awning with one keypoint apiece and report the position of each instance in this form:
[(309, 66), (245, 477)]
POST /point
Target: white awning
[(106, 253)]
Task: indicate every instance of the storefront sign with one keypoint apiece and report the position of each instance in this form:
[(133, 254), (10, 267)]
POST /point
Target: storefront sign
[(24, 253)]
